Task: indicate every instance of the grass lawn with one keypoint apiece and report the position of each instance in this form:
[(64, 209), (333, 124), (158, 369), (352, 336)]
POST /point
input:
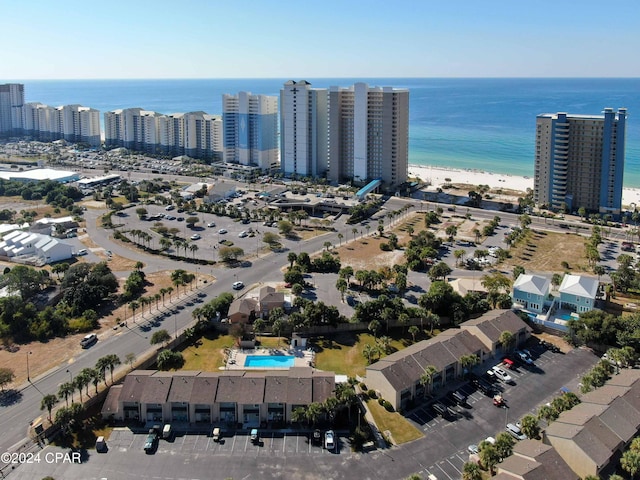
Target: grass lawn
[(401, 430), (343, 353), (206, 354), (272, 342)]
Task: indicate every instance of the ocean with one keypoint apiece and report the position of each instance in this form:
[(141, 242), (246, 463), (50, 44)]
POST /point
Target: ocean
[(483, 123)]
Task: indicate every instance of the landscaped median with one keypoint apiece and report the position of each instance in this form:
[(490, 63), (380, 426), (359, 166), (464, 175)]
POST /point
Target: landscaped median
[(401, 430)]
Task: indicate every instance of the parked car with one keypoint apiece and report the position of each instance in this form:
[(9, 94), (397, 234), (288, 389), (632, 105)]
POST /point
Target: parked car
[(515, 432), (88, 340), (101, 445), (458, 397), (316, 437), (502, 374), (151, 443), (238, 285), (329, 440), (82, 251), (473, 448), (222, 231), (255, 436), (524, 356), (195, 236), (441, 409), (211, 224), (217, 434), (166, 431)]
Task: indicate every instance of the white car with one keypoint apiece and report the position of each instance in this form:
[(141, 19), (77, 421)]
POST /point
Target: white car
[(243, 234), (515, 431), (501, 374), (195, 236), (222, 231), (211, 224), (238, 285), (329, 440), (82, 251)]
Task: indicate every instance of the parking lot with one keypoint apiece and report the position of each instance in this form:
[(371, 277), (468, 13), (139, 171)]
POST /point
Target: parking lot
[(237, 444), (479, 418)]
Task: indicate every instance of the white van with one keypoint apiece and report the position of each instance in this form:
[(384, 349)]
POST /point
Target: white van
[(166, 431), (88, 340)]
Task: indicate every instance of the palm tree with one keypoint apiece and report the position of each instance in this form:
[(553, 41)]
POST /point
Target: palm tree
[(87, 375), (368, 351), (507, 340), (66, 390), (163, 292), (96, 376), (169, 291), (340, 237), (112, 361), (427, 377), (413, 330), (355, 232), (48, 402), (134, 306), (471, 471)]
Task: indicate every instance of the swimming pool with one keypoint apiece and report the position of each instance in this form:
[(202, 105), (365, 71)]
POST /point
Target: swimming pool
[(269, 361), (566, 316)]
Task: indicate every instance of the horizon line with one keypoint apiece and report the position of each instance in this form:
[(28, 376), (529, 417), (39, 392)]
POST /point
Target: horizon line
[(333, 77)]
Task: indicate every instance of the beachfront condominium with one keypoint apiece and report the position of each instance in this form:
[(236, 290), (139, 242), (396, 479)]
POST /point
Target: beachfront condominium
[(250, 130), (73, 123), (358, 133), (11, 101), (195, 134), (303, 129), (579, 161)]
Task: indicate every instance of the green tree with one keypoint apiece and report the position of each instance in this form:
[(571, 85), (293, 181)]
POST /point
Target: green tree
[(48, 402), (414, 330), (507, 340), (65, 390), (160, 336), (630, 462), (439, 271), (489, 455), (6, 377), (426, 379), (530, 426), (504, 445), (168, 360), (130, 358), (471, 471)]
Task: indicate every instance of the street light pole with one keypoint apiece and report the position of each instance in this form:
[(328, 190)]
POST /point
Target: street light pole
[(28, 376)]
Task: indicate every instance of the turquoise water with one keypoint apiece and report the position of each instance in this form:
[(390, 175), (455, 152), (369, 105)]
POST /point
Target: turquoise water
[(476, 123), (269, 361), (566, 316)]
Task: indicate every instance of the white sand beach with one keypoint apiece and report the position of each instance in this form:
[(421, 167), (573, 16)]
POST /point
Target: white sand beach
[(436, 177)]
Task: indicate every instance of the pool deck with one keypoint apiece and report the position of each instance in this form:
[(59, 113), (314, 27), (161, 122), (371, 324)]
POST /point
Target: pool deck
[(237, 357)]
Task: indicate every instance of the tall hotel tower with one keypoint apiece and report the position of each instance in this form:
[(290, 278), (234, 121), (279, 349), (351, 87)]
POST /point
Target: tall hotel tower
[(357, 133), (303, 129), (250, 129), (11, 102), (580, 161)]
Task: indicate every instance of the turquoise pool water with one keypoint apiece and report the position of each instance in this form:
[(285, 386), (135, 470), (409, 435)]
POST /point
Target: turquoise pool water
[(269, 361), (566, 316)]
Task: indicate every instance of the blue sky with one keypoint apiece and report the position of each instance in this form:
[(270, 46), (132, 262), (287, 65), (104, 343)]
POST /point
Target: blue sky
[(44, 39)]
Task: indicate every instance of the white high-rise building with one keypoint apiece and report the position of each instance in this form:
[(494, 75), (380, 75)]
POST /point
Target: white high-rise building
[(196, 134), (11, 102), (303, 129), (358, 133), (250, 126), (579, 161)]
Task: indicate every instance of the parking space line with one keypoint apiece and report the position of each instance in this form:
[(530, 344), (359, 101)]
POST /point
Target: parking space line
[(234, 443), (284, 443), (441, 469), (450, 463), (208, 443)]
